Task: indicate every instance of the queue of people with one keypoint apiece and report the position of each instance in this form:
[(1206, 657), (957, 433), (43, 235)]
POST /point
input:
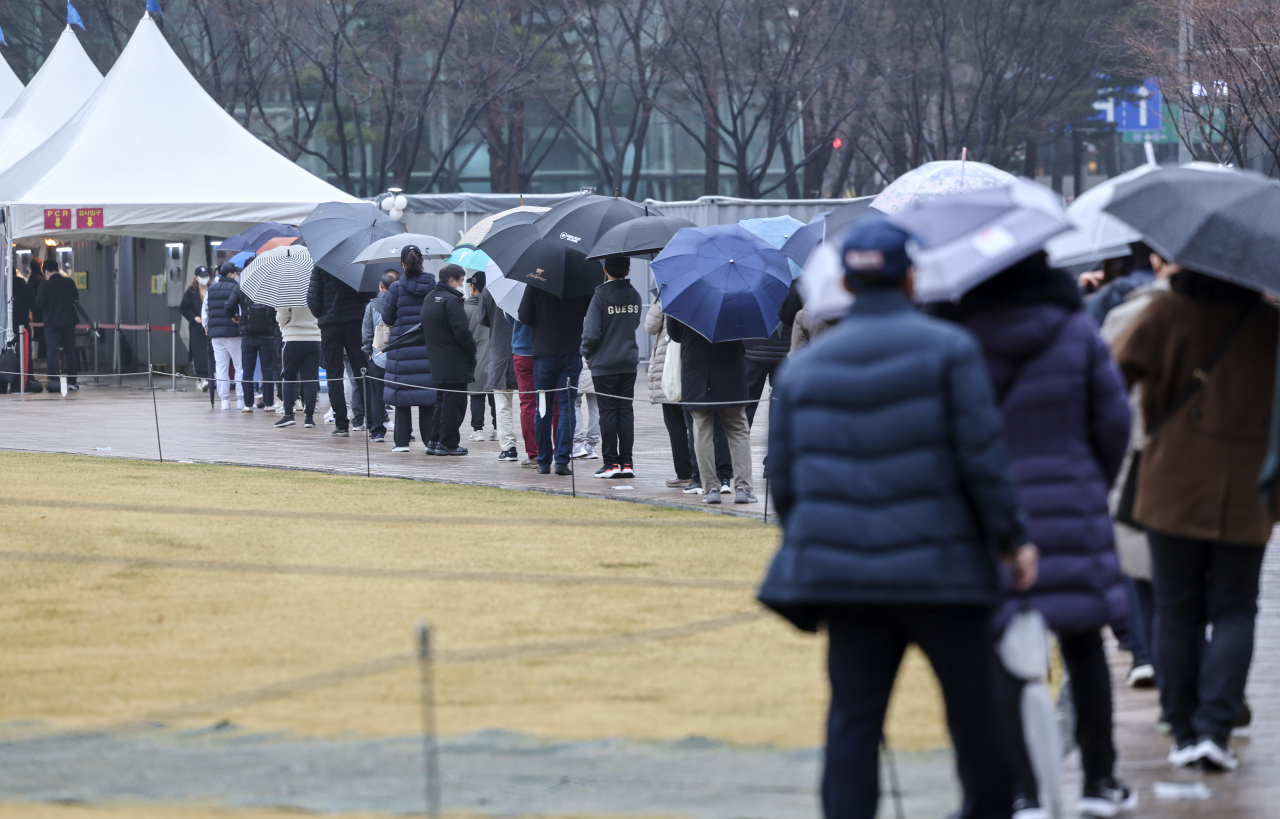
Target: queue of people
[(939, 471)]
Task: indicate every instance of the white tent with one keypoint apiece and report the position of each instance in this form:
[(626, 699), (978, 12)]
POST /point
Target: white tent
[(67, 78), (160, 159), (10, 85)]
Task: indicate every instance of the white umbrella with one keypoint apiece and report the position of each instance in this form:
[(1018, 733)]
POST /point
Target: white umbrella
[(822, 284), (506, 293), (388, 249), (279, 277), (967, 238), (941, 178)]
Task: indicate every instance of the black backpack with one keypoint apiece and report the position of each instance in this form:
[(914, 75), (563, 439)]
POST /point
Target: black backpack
[(259, 320)]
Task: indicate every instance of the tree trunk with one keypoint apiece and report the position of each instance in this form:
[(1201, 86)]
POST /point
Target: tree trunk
[(1078, 170), (1059, 159)]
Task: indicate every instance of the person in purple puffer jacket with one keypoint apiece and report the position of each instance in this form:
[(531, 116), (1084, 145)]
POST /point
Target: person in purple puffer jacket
[(1067, 422)]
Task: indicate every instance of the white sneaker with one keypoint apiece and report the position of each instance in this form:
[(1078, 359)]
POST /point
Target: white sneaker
[(493, 435), (1184, 755), (359, 428), (579, 451), (1142, 676), (202, 384), (476, 435), (1215, 757), (246, 409), (591, 453), (226, 405), (400, 449)]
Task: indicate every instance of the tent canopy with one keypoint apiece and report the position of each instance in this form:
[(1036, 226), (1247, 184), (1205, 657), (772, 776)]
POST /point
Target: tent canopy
[(67, 78), (150, 154), (10, 85)]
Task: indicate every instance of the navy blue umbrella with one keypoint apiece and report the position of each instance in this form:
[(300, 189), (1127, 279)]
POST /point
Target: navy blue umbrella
[(257, 236), (722, 281)]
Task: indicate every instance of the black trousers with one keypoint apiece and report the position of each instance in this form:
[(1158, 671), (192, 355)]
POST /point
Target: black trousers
[(866, 648), (61, 339), (724, 462), (451, 411), (198, 344), (673, 417), (617, 416), (256, 350), (1090, 678), (375, 409), (477, 411), (757, 373), (404, 423), (334, 341), (1200, 583), (301, 363)]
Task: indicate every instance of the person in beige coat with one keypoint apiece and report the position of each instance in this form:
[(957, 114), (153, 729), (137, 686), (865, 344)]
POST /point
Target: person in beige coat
[(673, 415)]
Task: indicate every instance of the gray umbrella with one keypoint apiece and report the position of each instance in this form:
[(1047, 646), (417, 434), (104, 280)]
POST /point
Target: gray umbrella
[(337, 232)]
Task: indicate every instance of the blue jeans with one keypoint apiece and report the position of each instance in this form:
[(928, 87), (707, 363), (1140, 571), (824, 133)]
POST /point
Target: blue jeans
[(550, 372)]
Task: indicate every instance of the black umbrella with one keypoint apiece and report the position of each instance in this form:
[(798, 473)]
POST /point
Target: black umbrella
[(413, 337), (635, 237), (337, 232), (579, 223), (1224, 224), (839, 220), (524, 256)]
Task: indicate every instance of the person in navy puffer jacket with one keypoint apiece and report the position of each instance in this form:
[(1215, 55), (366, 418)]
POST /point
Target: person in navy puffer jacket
[(408, 367), (890, 473), (1067, 421)]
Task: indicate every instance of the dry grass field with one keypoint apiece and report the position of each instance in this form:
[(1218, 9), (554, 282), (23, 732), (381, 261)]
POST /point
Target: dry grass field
[(190, 594)]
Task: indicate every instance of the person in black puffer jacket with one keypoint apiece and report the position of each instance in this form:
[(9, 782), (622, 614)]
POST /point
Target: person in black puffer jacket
[(257, 346), (223, 329), (57, 299), (339, 310), (452, 350), (764, 357), (409, 382)]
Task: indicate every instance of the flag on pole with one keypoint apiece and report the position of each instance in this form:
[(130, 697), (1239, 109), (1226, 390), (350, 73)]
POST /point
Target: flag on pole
[(2, 42), (73, 16), (153, 6)]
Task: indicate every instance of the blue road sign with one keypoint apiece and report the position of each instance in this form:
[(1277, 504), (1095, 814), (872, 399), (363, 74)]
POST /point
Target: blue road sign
[(1140, 115)]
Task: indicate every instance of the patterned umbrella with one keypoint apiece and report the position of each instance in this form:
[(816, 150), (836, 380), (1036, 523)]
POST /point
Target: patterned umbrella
[(279, 277), (480, 230), (934, 179)]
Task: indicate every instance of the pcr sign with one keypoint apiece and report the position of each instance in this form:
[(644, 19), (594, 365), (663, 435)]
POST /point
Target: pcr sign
[(88, 218), (57, 218)]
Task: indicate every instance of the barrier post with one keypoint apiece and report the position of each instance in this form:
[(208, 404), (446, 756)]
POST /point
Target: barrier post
[(150, 367), (173, 357), (116, 356), (22, 360), (93, 333)]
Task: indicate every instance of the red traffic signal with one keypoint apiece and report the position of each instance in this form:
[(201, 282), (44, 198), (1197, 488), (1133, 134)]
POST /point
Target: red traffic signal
[(837, 143)]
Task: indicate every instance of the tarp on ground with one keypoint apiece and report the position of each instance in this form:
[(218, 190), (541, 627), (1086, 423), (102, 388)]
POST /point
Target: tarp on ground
[(66, 80), (150, 154), (10, 85)]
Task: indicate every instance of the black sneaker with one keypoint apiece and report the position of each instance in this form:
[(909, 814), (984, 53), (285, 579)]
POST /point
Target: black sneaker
[(692, 488), (1106, 798), (74, 387), (608, 471), (377, 439), (509, 455), (341, 433), (285, 422), (625, 471), (1215, 755), (310, 423), (457, 450), (543, 469), (725, 488), (433, 447), (563, 469)]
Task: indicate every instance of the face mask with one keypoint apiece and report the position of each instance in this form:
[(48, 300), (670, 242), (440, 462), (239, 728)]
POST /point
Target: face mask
[(204, 280)]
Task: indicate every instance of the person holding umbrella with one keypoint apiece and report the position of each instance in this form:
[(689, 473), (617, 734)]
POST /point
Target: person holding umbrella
[(452, 351), (557, 360), (408, 369), (892, 480), (339, 310), (609, 345)]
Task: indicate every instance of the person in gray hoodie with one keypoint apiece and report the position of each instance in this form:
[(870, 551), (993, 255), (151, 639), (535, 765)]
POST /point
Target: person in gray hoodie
[(376, 411), (609, 345)]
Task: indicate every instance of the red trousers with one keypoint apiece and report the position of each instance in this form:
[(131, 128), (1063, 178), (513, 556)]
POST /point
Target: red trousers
[(529, 405)]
